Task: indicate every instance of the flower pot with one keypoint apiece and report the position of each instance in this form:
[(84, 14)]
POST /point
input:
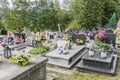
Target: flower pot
[(103, 54), (91, 53)]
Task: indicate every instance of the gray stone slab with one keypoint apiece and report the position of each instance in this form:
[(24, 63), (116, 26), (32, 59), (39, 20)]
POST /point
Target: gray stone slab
[(18, 47), (110, 70), (67, 60), (97, 58), (35, 70), (55, 53)]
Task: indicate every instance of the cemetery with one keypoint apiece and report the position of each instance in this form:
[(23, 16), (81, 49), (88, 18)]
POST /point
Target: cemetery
[(59, 40)]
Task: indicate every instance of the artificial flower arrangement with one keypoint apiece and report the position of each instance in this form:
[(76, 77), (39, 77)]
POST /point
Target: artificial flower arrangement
[(100, 46), (79, 42), (100, 36), (67, 37), (117, 31), (102, 49), (64, 46), (23, 59)]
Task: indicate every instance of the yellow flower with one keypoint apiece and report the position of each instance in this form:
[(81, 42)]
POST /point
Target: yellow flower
[(81, 41)]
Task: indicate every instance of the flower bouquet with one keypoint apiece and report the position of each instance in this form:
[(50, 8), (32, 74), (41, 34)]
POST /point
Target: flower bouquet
[(79, 42), (23, 59), (101, 35)]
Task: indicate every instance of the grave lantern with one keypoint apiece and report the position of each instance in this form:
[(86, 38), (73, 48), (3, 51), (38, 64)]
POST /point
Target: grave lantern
[(7, 52)]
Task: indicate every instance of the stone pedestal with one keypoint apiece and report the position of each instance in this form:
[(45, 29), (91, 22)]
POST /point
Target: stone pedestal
[(66, 60), (35, 70), (96, 63)]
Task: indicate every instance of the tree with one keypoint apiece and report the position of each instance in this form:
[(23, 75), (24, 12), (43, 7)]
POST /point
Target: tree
[(109, 7), (113, 21), (91, 13), (86, 13)]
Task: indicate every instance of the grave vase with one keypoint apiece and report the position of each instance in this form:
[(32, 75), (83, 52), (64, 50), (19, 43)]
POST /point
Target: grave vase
[(91, 53), (103, 54)]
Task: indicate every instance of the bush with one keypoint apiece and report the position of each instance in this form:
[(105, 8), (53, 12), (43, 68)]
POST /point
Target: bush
[(39, 50)]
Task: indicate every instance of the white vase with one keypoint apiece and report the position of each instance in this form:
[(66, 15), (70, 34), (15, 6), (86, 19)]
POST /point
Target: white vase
[(103, 54), (91, 53)]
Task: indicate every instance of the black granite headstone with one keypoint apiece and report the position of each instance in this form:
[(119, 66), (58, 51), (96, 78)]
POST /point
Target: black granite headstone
[(110, 38)]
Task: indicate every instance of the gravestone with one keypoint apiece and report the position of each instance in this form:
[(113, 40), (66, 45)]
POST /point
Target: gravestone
[(81, 36), (96, 63), (109, 31), (29, 40), (66, 60), (35, 70), (110, 38), (52, 36)]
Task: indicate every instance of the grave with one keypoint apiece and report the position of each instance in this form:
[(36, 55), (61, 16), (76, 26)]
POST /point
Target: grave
[(1, 38), (109, 31), (81, 36), (96, 63), (53, 36), (110, 38), (29, 40), (35, 70), (18, 47), (66, 60)]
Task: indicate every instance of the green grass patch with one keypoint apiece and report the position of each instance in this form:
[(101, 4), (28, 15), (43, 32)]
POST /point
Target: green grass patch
[(81, 76)]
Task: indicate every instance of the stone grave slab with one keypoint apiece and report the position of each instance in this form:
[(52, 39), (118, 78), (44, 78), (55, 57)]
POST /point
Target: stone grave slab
[(95, 63), (66, 60), (35, 70), (18, 47)]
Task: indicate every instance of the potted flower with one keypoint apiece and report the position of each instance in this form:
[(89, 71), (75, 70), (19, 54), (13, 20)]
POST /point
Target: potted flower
[(22, 59), (102, 48), (91, 52), (100, 36)]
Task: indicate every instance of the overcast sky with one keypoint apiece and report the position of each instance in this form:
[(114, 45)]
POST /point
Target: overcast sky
[(61, 2)]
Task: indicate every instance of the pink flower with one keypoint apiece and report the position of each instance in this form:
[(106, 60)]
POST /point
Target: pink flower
[(97, 37)]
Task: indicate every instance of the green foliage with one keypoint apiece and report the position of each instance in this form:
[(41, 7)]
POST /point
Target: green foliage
[(74, 24), (23, 59), (113, 21), (90, 13), (102, 46), (109, 7), (39, 50), (36, 15), (81, 76)]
